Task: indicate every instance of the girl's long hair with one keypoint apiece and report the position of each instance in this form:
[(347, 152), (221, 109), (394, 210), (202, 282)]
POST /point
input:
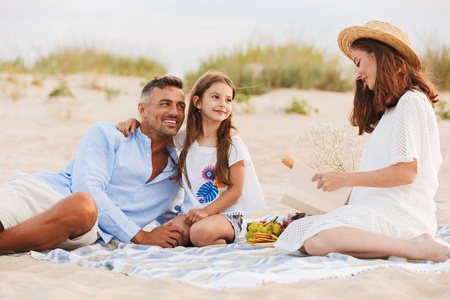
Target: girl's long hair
[(394, 78), (194, 128)]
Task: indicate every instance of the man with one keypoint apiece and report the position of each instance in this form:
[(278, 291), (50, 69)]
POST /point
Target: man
[(113, 187)]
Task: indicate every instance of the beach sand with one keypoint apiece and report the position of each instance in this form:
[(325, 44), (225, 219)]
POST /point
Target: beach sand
[(39, 134)]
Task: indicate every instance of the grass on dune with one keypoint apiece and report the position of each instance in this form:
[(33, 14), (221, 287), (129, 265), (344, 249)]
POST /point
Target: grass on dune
[(261, 68), (254, 70), (437, 61), (78, 60)]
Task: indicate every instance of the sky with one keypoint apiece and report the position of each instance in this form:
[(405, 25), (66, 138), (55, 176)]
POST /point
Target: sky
[(180, 33)]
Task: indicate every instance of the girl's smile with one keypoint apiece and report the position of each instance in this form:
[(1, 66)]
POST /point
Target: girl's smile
[(216, 103)]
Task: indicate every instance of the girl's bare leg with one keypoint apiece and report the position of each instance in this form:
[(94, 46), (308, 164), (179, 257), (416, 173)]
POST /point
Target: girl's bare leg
[(71, 217), (212, 230), (364, 244), (186, 226)]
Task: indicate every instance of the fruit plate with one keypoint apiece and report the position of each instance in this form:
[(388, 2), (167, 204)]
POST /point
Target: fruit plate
[(266, 244)]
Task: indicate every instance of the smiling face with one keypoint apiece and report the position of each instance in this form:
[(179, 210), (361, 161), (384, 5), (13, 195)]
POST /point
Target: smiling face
[(366, 67), (162, 112), (216, 103)]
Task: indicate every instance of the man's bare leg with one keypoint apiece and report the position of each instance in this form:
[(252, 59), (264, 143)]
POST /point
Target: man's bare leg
[(364, 244), (71, 217)]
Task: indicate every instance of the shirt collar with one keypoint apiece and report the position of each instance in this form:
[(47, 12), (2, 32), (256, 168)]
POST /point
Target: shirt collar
[(144, 138)]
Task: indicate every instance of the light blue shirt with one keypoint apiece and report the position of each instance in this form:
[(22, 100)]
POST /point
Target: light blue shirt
[(114, 170)]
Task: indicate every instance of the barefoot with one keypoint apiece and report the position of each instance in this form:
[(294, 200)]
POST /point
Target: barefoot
[(426, 248)]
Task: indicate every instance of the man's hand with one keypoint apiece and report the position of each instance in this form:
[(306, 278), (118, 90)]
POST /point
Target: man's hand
[(195, 215), (166, 236)]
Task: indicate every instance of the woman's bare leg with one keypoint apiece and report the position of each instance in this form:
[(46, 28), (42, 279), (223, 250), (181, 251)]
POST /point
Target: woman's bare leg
[(71, 217), (364, 244)]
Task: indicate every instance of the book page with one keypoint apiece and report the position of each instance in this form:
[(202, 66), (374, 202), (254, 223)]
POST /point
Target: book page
[(302, 194)]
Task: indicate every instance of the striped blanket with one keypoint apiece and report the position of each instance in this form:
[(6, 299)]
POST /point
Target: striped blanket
[(234, 265)]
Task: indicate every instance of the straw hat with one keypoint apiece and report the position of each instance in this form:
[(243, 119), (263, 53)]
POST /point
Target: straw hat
[(383, 32)]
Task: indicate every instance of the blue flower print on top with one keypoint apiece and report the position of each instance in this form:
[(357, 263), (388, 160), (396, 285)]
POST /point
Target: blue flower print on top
[(207, 192), (208, 173)]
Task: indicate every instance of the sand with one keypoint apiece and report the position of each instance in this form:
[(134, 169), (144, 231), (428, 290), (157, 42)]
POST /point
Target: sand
[(40, 134)]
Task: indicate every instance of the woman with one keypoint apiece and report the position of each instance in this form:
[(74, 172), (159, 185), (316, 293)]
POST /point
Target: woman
[(391, 211)]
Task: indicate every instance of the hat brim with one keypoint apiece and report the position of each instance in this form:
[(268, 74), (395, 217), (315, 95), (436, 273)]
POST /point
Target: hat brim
[(349, 35)]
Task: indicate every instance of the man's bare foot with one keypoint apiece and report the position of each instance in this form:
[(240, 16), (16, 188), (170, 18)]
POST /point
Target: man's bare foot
[(426, 248)]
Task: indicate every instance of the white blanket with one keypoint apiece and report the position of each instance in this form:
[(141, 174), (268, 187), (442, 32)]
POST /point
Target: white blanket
[(234, 265)]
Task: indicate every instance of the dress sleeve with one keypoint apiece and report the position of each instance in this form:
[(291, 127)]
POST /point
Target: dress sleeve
[(238, 152), (409, 128), (252, 198)]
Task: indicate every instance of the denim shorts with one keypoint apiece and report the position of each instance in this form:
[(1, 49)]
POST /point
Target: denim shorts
[(236, 221)]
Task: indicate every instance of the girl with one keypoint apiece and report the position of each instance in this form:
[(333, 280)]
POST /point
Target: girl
[(214, 166), (391, 211)]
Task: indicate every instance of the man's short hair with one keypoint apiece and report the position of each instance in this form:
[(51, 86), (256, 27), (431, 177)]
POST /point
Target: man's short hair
[(160, 82)]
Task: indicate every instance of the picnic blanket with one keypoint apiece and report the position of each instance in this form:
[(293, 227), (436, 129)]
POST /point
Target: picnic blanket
[(233, 265)]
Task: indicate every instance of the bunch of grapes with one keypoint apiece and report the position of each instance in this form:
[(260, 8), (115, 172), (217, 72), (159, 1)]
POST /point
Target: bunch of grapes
[(271, 227)]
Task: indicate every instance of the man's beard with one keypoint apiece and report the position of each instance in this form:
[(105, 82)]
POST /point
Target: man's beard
[(164, 132)]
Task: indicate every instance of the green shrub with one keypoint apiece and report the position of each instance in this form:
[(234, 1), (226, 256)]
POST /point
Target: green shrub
[(62, 90), (111, 93), (442, 110), (302, 107)]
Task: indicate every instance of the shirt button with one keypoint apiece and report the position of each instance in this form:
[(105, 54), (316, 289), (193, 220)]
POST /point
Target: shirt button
[(148, 155), (142, 187)]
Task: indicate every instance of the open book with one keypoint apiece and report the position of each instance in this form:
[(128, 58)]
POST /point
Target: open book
[(302, 194)]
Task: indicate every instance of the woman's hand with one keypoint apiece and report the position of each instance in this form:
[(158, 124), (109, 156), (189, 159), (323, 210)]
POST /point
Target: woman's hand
[(195, 215), (330, 181), (129, 125), (394, 175)]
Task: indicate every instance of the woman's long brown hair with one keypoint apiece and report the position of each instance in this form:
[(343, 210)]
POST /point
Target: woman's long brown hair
[(194, 128), (394, 78)]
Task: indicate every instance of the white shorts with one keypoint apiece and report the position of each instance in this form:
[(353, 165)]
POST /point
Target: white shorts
[(24, 196)]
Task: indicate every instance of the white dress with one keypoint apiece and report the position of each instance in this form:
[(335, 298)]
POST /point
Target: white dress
[(406, 131), (205, 188)]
